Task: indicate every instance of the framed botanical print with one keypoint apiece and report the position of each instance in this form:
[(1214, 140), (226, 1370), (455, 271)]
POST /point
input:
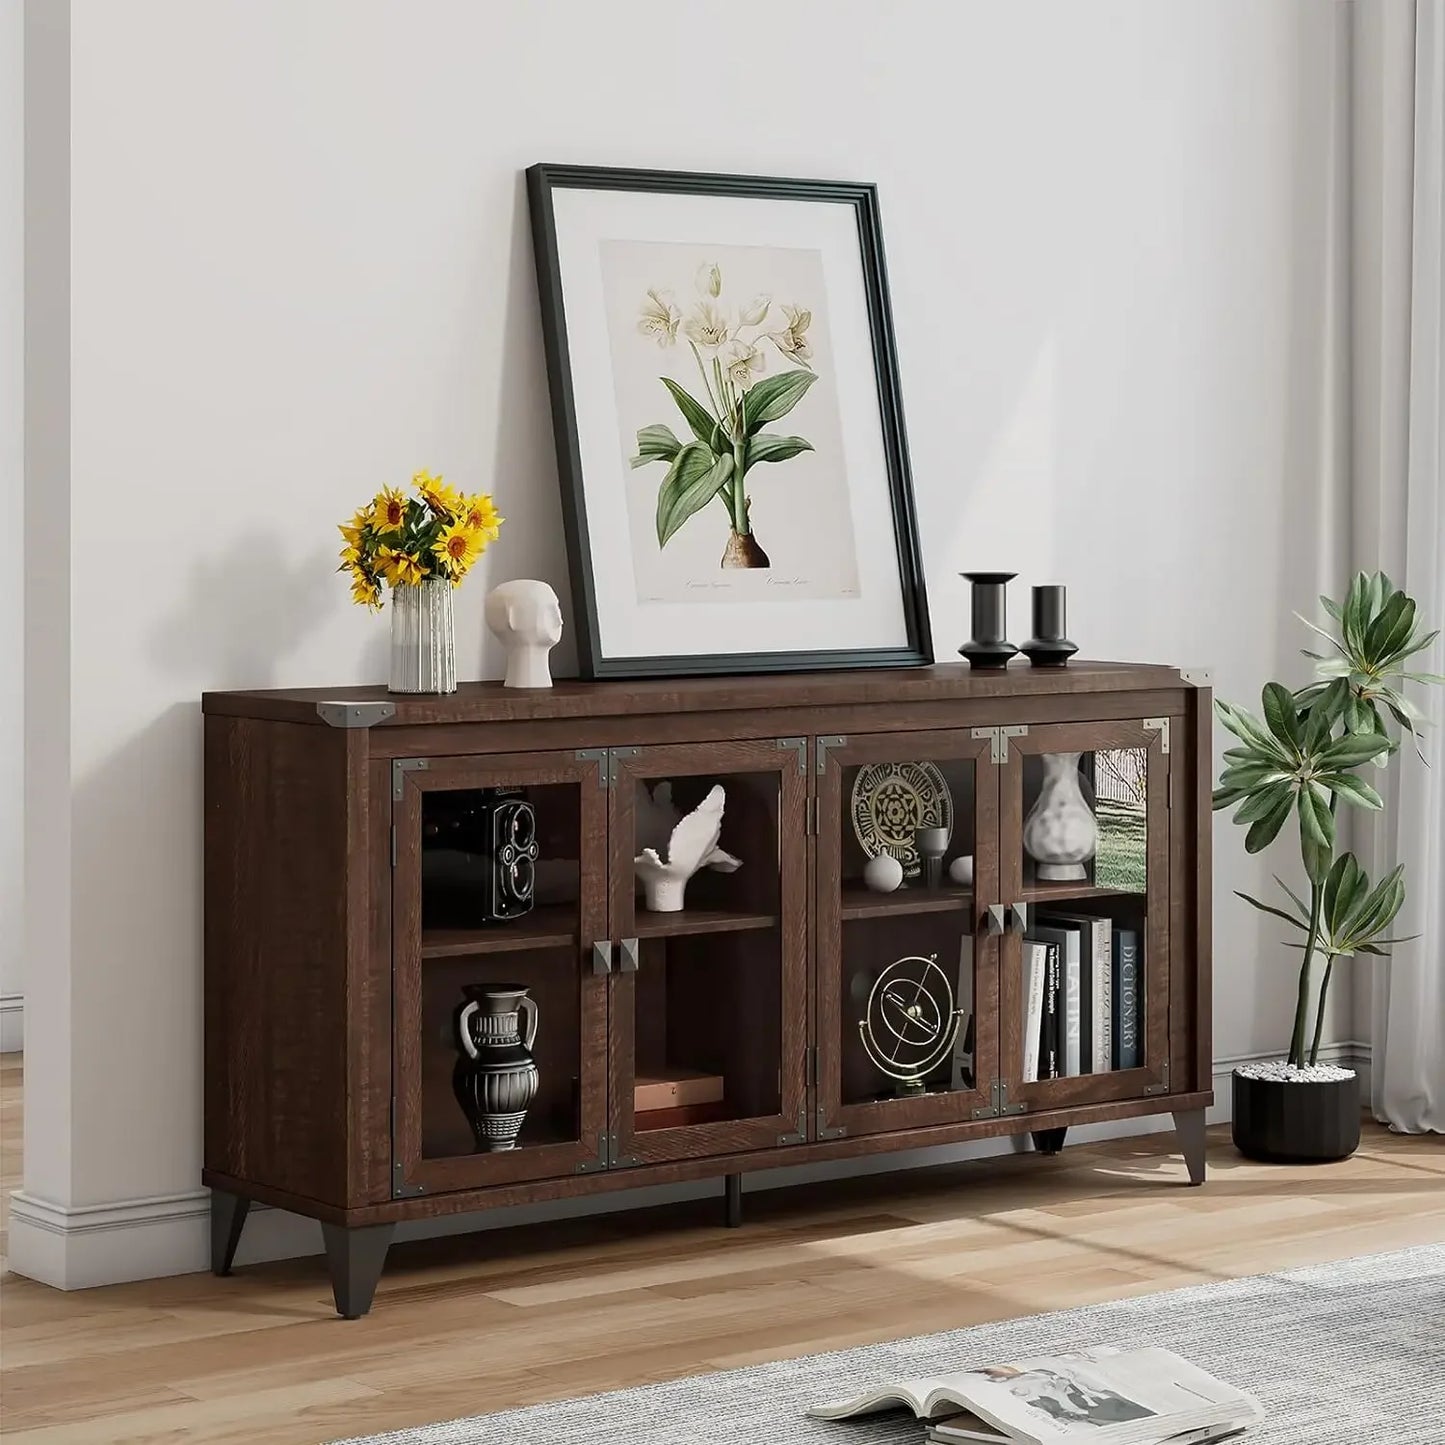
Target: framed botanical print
[(729, 429)]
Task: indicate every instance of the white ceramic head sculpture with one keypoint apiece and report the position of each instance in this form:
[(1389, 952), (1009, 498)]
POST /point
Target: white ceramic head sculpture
[(527, 618)]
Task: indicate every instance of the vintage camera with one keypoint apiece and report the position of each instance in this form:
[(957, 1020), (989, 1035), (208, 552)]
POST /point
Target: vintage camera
[(479, 855)]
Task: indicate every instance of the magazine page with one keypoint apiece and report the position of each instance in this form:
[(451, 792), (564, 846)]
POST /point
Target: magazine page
[(1104, 1398)]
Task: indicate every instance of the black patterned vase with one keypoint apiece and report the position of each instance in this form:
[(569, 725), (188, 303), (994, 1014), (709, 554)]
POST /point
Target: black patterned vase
[(495, 1077)]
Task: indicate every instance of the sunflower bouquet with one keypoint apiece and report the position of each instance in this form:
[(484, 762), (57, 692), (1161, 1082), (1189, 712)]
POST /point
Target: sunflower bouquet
[(402, 541)]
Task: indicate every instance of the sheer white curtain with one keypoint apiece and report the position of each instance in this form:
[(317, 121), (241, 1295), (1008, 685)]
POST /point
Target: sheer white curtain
[(1398, 411)]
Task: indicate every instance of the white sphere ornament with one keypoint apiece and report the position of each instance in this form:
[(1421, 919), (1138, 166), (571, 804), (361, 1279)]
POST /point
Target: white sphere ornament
[(961, 870), (527, 618), (883, 874)]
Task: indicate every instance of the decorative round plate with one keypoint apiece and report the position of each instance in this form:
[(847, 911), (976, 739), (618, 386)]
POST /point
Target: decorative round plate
[(892, 801)]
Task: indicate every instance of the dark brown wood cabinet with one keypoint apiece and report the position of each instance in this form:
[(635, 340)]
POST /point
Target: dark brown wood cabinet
[(342, 927)]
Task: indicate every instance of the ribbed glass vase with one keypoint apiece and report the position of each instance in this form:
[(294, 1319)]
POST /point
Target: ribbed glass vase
[(423, 642)]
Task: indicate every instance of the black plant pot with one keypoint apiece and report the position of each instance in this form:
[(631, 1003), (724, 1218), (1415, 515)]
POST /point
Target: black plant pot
[(1296, 1123)]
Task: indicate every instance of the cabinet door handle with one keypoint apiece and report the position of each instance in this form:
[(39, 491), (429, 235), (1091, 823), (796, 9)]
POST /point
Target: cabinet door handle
[(1018, 918), (628, 963), (601, 958), (995, 918)]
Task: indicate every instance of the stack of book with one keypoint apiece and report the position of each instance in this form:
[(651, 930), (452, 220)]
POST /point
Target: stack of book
[(1082, 997)]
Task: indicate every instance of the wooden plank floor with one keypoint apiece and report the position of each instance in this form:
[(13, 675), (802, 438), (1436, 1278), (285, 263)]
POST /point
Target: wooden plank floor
[(471, 1324)]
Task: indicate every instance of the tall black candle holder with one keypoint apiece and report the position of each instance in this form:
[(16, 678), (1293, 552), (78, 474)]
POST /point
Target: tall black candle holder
[(1048, 647), (988, 647)]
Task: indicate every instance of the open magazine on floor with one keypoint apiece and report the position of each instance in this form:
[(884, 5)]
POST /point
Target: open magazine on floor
[(1096, 1397)]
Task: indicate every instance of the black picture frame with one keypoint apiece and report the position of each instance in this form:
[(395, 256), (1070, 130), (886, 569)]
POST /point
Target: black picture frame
[(542, 180)]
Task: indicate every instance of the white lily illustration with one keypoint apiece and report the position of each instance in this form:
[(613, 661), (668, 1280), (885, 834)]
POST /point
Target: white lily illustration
[(742, 363), (709, 278), (756, 311), (660, 318), (707, 324), (793, 342)]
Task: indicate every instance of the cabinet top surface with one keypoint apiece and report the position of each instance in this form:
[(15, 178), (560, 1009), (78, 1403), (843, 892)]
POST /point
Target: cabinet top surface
[(490, 702)]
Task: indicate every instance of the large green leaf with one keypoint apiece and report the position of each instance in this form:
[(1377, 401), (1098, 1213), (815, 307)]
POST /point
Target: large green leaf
[(1280, 715), (1264, 830), (1354, 790), (776, 396), (698, 417), (1264, 801), (1317, 832), (1351, 750), (1391, 628), (768, 446), (1278, 912), (655, 444), (689, 488)]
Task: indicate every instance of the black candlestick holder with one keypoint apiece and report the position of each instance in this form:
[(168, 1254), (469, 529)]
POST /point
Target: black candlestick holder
[(988, 647), (1048, 647)]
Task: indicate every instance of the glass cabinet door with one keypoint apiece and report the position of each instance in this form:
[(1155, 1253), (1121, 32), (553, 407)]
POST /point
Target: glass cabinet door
[(1084, 1007), (709, 989), (500, 1022), (906, 864)]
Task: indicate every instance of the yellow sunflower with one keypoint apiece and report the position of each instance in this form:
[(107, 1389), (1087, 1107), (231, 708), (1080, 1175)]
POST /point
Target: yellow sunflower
[(401, 569), (351, 531), (444, 500), (365, 590), (350, 556), (480, 516), (389, 510), (457, 546)]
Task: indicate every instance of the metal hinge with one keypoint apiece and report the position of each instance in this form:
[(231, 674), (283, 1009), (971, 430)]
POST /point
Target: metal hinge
[(1159, 725), (400, 767), (833, 740), (1162, 1087), (998, 739), (812, 828), (823, 1131), (810, 1066), (591, 1166), (800, 745), (598, 756), (800, 1136), (393, 845)]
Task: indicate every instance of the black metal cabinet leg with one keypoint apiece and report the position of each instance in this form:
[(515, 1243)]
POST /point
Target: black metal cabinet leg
[(355, 1258), (734, 1200), (228, 1217), (1049, 1141), (1189, 1126)]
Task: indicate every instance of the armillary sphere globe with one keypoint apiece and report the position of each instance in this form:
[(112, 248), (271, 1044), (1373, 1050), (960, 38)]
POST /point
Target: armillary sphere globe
[(911, 1021)]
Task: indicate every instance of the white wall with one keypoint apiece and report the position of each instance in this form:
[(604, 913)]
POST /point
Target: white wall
[(12, 495), (301, 267)]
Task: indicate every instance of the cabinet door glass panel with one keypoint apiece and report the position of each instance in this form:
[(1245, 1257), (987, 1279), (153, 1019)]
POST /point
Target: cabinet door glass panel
[(708, 1000), (500, 1022), (1086, 873), (900, 874)]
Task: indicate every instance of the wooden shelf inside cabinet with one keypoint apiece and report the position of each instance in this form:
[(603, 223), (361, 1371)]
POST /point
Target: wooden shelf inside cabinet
[(1066, 892), (700, 920), (546, 927), (864, 903)]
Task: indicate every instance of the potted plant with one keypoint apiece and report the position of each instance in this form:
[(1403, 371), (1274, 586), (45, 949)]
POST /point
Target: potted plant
[(1302, 758), (421, 547)]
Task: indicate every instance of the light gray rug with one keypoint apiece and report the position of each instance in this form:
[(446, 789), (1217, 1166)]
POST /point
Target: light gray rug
[(1339, 1354)]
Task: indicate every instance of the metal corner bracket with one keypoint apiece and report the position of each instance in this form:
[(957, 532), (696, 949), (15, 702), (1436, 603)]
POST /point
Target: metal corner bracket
[(1197, 676), (998, 739), (355, 714), (598, 756), (826, 1133), (1159, 725), (1004, 1107), (800, 1135), (400, 1189), (591, 1166), (830, 740), (1162, 1087), (400, 767), (798, 745)]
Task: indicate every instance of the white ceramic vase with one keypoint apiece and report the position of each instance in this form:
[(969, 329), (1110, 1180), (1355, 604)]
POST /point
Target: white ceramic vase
[(1060, 832)]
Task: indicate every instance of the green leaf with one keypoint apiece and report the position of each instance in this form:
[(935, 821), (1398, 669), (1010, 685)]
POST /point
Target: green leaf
[(1280, 715), (1223, 797), (696, 478), (1248, 729), (1325, 709), (698, 417), (1278, 912), (776, 396), (1356, 613), (768, 446), (1294, 897), (1263, 831), (1317, 833), (655, 444), (1351, 750), (1333, 608), (1264, 801), (1353, 790), (1344, 887)]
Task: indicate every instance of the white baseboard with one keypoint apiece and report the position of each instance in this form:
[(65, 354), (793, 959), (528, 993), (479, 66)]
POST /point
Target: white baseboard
[(79, 1248), (12, 1023)]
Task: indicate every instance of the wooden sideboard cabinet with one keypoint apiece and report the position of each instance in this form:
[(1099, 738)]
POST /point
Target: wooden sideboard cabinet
[(341, 930)]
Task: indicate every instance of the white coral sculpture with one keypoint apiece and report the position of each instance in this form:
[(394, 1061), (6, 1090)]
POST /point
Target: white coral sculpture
[(693, 844)]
